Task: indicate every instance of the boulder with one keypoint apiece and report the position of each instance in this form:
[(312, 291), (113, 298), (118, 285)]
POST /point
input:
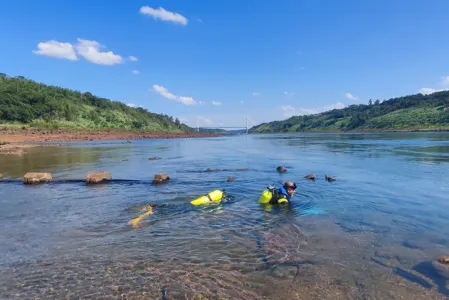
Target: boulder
[(154, 158), (329, 178), (210, 169), (35, 177), (231, 179), (98, 177), (281, 169), (160, 178), (310, 176)]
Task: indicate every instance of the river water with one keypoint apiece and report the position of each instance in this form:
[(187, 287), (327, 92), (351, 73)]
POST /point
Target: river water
[(374, 233)]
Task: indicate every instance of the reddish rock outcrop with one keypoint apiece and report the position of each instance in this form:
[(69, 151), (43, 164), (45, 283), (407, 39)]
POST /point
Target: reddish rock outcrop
[(35, 177), (98, 177)]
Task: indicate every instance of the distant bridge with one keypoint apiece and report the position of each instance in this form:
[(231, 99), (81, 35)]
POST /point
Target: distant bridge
[(224, 127)]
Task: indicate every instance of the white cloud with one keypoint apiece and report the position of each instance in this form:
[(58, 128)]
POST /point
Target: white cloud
[(131, 105), (427, 91), (56, 49), (90, 50), (241, 101), (164, 15), (445, 80), (216, 103), (135, 71), (166, 94), (288, 93), (255, 94), (444, 83), (205, 120), (289, 110), (350, 96), (132, 58)]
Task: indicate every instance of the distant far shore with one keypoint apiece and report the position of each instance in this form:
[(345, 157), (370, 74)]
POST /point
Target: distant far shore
[(8, 135), (359, 131)]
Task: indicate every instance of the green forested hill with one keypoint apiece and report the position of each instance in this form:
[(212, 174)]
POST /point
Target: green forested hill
[(415, 112), (24, 101)]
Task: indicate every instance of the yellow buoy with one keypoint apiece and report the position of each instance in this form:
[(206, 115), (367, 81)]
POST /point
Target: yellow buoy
[(214, 196)]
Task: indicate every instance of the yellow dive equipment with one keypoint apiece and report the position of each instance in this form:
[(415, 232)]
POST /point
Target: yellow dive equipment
[(134, 222), (214, 196), (267, 195)]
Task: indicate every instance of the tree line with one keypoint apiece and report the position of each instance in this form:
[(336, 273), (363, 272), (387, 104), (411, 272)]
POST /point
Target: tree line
[(26, 101)]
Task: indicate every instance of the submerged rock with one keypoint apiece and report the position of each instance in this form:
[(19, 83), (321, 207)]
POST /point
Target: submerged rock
[(36, 177), (98, 177), (231, 179), (210, 169), (281, 169), (329, 178), (442, 266), (444, 260), (154, 158), (160, 178), (310, 176)]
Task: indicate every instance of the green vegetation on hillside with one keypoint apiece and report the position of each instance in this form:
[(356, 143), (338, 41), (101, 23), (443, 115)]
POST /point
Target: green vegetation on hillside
[(415, 112), (24, 101)]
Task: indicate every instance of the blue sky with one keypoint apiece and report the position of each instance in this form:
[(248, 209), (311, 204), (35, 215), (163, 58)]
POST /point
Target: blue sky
[(219, 61)]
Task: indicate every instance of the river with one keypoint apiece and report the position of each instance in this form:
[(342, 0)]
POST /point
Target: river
[(371, 234)]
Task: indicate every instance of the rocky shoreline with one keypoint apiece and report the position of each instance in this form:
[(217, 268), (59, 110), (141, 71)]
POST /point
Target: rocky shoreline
[(44, 135), (16, 141)]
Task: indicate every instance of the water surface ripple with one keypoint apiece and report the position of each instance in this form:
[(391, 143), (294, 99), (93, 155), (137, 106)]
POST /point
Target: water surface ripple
[(373, 233)]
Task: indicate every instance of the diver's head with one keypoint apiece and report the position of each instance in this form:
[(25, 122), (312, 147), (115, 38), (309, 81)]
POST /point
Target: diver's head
[(290, 187)]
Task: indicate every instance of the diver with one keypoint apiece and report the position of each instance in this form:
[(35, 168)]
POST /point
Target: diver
[(279, 195)]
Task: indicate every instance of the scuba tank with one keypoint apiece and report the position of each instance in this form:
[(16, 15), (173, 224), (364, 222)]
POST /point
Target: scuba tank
[(270, 193), (214, 196)]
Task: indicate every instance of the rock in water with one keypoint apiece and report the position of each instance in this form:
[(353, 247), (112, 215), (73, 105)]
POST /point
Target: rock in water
[(310, 176), (35, 177), (442, 266), (328, 178), (231, 179), (444, 260), (154, 158), (98, 177), (159, 178), (281, 169)]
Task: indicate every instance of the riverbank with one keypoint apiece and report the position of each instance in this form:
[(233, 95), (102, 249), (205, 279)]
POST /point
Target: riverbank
[(358, 131), (17, 141), (46, 135)]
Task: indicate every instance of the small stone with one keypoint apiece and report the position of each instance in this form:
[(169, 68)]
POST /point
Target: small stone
[(35, 177), (441, 260), (231, 179), (310, 176), (159, 178), (98, 177), (154, 158)]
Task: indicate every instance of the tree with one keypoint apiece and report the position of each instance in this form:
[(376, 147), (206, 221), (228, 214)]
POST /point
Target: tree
[(377, 102), (370, 102)]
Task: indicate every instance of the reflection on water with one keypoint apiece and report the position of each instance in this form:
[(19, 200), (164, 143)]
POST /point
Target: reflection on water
[(373, 233)]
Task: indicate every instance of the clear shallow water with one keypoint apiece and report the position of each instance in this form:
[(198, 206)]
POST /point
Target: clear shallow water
[(371, 234)]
